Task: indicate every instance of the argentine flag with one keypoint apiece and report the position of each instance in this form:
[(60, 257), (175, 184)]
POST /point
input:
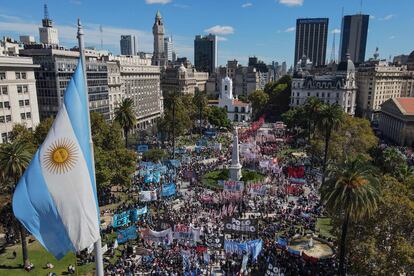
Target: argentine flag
[(56, 197)]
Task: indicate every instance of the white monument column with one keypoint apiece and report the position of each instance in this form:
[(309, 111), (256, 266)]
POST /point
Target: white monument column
[(235, 167)]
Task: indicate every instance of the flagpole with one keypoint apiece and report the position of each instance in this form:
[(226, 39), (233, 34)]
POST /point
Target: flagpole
[(97, 245)]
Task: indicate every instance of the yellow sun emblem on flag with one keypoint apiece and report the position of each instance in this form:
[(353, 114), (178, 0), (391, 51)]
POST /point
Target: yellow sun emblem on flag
[(61, 156)]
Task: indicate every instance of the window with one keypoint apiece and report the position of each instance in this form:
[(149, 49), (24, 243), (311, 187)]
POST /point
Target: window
[(4, 137), (26, 102), (2, 119), (28, 115), (19, 89), (25, 89), (6, 105), (23, 116), (20, 75), (1, 105), (8, 118), (21, 103), (2, 75), (3, 90)]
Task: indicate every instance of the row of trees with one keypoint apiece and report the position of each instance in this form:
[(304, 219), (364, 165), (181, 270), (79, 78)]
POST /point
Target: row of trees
[(367, 192)]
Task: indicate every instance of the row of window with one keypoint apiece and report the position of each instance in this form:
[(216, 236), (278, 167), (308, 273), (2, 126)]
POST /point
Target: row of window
[(19, 75), (7, 118)]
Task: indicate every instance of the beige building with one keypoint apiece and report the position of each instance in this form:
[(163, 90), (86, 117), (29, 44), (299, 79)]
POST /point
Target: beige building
[(140, 81), (379, 81), (246, 79), (18, 99), (116, 88), (183, 79), (396, 120)]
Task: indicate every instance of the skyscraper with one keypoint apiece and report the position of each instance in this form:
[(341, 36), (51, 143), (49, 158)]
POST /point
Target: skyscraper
[(48, 34), (205, 53), (311, 39), (128, 45), (168, 47), (159, 57), (354, 37)]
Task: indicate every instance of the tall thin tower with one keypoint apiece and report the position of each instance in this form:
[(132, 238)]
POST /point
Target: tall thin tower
[(333, 54), (101, 32)]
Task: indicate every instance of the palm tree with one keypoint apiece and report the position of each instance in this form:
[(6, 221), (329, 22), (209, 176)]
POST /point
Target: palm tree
[(313, 107), (331, 117), (352, 190), (14, 159), (125, 116)]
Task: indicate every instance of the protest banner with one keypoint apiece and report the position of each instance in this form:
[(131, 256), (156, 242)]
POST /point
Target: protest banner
[(252, 247), (136, 213), (129, 233), (184, 232), (165, 236), (145, 196), (214, 241), (233, 186), (240, 226), (168, 190), (257, 189), (121, 219)]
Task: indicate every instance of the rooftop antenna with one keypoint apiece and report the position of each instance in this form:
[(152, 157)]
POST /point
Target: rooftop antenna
[(101, 31), (45, 11)]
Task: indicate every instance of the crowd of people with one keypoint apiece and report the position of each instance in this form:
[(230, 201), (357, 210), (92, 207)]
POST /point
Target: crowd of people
[(279, 212)]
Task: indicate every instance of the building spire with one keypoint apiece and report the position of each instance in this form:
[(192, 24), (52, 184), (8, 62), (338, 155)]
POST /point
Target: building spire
[(45, 11)]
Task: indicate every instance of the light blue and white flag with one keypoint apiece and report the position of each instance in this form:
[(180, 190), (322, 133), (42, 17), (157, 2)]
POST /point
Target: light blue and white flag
[(56, 197)]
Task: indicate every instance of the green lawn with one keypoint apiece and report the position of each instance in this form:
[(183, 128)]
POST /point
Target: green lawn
[(325, 227), (39, 257), (210, 179)]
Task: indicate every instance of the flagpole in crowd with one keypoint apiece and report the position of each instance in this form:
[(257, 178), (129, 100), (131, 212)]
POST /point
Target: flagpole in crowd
[(97, 244)]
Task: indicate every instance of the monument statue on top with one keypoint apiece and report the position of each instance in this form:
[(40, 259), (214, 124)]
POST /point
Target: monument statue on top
[(235, 166)]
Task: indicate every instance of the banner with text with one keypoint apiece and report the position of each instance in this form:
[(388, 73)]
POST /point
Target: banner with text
[(240, 226)]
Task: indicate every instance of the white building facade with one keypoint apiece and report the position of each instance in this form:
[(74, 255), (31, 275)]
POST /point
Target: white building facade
[(18, 98), (337, 88), (237, 111)]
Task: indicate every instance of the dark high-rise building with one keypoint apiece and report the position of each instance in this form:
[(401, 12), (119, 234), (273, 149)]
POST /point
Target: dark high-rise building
[(128, 45), (311, 39), (205, 53), (354, 37)]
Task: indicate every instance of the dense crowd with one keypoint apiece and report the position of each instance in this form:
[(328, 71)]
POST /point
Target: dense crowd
[(282, 212)]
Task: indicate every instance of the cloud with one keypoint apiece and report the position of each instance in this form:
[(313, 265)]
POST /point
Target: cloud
[(221, 38), (220, 30), (246, 5), (290, 29), (10, 17), (392, 37), (163, 2), (387, 17), (181, 6), (291, 3), (336, 31), (372, 17)]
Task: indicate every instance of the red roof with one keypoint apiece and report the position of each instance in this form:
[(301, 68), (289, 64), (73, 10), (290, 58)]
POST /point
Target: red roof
[(406, 105), (237, 102)]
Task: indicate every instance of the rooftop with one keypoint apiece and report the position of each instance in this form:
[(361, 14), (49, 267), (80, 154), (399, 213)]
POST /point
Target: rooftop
[(406, 105)]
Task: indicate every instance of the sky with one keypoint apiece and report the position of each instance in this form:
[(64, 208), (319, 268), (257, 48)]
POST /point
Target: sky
[(262, 28)]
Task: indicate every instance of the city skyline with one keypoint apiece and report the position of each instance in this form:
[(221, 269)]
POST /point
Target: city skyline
[(270, 38)]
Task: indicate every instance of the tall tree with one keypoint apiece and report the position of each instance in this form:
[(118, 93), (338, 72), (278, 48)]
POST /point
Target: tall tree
[(313, 108), (351, 192), (125, 116), (331, 117), (14, 159), (259, 100)]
